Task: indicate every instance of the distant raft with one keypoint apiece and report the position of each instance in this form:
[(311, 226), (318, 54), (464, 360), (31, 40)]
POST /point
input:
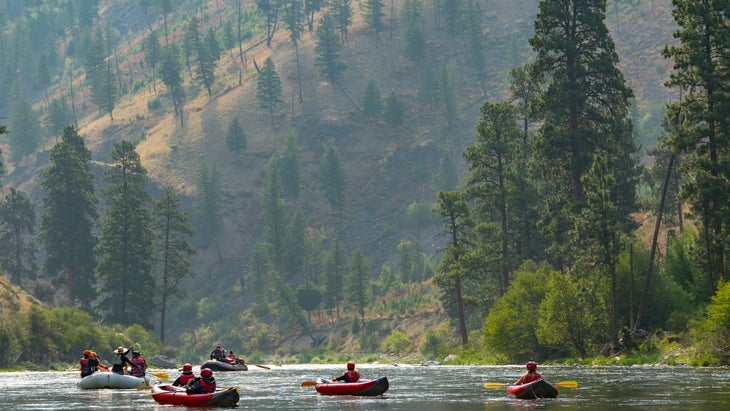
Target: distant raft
[(536, 389), (168, 394), (101, 379), (374, 387), (216, 365)]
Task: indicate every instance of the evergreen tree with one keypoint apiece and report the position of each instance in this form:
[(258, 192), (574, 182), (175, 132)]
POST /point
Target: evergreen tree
[(170, 75), (332, 179), (273, 212), (205, 61), (211, 41), (475, 43), (371, 102), (328, 49), (69, 215), (335, 269), (289, 167), (415, 48), (125, 245), (235, 138), (59, 116), (17, 228), (270, 8), (703, 137), (294, 246), (25, 131), (171, 228), (208, 202), (586, 105), (374, 16), (268, 91), (393, 110), (343, 13), (311, 8), (294, 18), (453, 210), (152, 52), (357, 288), (493, 160)]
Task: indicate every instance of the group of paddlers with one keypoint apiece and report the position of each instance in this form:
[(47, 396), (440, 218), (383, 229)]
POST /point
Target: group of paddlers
[(121, 364)]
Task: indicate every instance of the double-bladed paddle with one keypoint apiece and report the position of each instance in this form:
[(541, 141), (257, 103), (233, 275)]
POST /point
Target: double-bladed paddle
[(564, 384)]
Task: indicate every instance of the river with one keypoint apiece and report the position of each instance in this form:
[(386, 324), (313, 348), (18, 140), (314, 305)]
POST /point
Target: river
[(437, 388)]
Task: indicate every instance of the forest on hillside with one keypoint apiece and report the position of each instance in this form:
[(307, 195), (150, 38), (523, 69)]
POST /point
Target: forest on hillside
[(164, 175)]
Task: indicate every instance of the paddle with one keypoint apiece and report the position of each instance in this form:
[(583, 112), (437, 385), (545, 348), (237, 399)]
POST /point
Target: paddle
[(262, 366), (564, 384), (313, 383)]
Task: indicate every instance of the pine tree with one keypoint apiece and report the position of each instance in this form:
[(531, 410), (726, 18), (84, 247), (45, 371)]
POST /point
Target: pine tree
[(294, 18), (393, 110), (125, 245), (586, 105), (700, 71), (372, 103), (235, 138), (357, 288), (268, 91), (69, 215), (208, 202), (335, 269), (205, 61), (152, 55), (328, 49), (332, 179), (273, 213), (172, 230), (25, 133), (17, 228), (374, 16), (170, 75), (289, 167)]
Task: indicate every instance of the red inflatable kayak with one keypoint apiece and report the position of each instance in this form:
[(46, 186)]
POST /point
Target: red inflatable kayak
[(168, 394), (536, 389), (363, 387)]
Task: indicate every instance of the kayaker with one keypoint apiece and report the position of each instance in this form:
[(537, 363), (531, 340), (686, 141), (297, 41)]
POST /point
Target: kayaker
[(186, 376), (530, 375), (121, 362), (232, 359), (139, 365), (217, 354), (203, 384), (351, 375)]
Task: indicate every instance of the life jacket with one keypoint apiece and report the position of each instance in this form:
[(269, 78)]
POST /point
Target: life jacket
[(352, 376), (140, 366), (529, 377), (207, 386), (184, 379), (83, 362)]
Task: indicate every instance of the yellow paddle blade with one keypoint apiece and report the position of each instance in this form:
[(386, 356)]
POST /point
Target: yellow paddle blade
[(309, 383), (162, 375), (567, 384), (494, 385)]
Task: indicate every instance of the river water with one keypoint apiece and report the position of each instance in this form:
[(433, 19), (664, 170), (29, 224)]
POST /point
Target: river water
[(438, 388)]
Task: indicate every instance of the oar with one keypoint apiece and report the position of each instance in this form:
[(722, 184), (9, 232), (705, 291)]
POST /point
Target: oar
[(564, 384), (262, 366), (162, 375)]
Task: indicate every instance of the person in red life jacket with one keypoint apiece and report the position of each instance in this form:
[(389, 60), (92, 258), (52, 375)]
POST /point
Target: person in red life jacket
[(203, 384), (530, 375), (351, 375), (232, 359), (186, 376), (139, 365), (87, 368), (121, 362)]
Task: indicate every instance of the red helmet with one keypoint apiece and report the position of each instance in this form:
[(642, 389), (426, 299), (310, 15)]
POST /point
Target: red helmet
[(350, 365), (187, 367), (206, 372), (531, 365)]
